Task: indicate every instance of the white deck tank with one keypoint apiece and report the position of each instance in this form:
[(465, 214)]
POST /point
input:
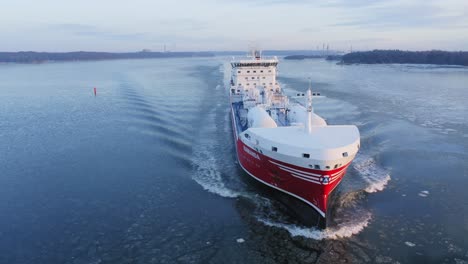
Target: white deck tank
[(259, 118)]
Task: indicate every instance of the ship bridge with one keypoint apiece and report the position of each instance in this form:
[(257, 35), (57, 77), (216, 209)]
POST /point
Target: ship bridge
[(260, 63), (253, 78)]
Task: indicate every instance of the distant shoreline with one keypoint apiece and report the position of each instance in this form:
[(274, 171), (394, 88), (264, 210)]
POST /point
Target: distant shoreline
[(435, 57), (41, 57), (303, 57)]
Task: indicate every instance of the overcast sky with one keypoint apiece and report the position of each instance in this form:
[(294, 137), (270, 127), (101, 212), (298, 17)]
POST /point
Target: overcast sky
[(183, 25)]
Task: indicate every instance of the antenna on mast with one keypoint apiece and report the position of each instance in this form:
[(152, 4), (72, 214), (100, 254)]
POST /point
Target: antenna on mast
[(309, 110)]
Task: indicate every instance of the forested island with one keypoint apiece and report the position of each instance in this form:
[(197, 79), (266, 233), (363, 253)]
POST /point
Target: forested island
[(334, 57), (407, 57), (363, 57), (303, 57), (38, 57)]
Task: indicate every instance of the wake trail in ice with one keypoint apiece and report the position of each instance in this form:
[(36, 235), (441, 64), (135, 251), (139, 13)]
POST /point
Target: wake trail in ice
[(207, 172), (207, 164), (208, 175), (350, 219), (346, 229), (375, 176)]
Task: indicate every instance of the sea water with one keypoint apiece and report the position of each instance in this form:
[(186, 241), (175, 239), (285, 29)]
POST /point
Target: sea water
[(146, 172)]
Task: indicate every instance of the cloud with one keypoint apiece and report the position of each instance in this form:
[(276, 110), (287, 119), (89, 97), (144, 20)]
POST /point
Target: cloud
[(402, 16), (310, 30), (268, 3), (96, 32), (353, 3), (182, 24)]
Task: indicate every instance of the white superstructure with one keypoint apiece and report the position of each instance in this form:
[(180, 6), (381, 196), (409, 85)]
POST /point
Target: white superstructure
[(282, 142)]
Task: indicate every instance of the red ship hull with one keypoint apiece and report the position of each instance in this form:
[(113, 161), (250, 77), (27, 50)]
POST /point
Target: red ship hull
[(302, 183)]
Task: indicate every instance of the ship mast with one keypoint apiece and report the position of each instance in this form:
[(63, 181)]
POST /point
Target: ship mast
[(309, 109)]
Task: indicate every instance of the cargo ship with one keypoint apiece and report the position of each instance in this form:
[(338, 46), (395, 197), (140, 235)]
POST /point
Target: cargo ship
[(280, 140)]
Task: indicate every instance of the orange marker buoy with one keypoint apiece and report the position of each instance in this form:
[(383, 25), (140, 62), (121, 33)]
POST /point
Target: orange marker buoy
[(94, 91)]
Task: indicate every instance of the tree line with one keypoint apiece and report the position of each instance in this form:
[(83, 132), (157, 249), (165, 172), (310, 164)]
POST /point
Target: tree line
[(37, 57), (407, 57)]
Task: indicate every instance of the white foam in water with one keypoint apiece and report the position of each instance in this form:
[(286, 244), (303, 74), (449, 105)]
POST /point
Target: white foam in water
[(346, 229), (207, 173), (210, 178), (423, 193), (410, 244), (227, 121), (375, 176), (350, 221)]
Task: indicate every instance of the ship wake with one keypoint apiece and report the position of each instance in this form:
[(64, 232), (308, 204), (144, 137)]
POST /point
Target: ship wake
[(209, 176), (349, 219), (375, 177), (349, 216), (211, 167), (343, 230), (217, 174)]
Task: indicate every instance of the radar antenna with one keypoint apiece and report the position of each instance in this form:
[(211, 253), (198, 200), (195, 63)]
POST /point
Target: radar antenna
[(309, 109)]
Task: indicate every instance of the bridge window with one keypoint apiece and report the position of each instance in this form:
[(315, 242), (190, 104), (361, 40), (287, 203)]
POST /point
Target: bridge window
[(317, 167), (248, 71), (306, 155), (253, 78), (345, 154), (261, 71), (275, 149), (254, 71), (327, 167), (238, 71), (246, 135), (336, 166)]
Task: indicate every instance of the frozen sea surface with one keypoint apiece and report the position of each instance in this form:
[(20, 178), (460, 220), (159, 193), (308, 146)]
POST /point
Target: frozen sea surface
[(145, 172)]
